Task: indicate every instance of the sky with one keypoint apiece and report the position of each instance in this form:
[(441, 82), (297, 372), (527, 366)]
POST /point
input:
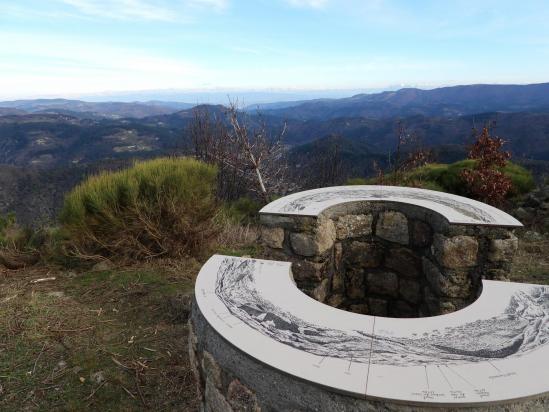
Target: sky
[(71, 48)]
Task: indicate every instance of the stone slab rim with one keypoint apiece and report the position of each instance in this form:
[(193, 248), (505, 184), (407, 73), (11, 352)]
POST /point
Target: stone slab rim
[(312, 203)]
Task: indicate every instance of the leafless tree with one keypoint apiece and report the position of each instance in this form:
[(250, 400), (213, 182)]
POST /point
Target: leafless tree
[(246, 153), (258, 151)]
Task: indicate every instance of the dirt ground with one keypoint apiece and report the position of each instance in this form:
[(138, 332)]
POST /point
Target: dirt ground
[(111, 340)]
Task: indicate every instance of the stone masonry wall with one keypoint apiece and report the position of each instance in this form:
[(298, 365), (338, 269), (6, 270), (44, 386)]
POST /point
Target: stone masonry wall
[(387, 258)]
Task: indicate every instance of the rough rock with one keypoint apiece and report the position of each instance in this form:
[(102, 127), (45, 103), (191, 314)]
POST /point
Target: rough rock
[(503, 249), (455, 252), (214, 400), (336, 300), (321, 292), (403, 309), (353, 226), (355, 284), (360, 308), (442, 285), (378, 307), (303, 270), (211, 369), (363, 255), (421, 234), (338, 282), (322, 239), (410, 290), (384, 283), (272, 237), (393, 226), (403, 261), (241, 398)]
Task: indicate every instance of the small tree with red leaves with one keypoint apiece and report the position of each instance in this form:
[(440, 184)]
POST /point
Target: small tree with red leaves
[(486, 181)]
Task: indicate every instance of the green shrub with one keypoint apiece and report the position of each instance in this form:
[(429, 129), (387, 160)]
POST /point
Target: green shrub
[(159, 207), (243, 210), (19, 246), (447, 178)]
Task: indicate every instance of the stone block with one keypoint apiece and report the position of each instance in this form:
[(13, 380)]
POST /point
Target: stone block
[(384, 283), (442, 284), (211, 369), (410, 290), (321, 292), (336, 301), (214, 401), (241, 398), (377, 307), (497, 274), (351, 226), (360, 308), (503, 249), (338, 282), (403, 261), (393, 226), (338, 255), (455, 252), (316, 243), (272, 237), (363, 255), (304, 270), (193, 358), (403, 309), (355, 285), (421, 234)]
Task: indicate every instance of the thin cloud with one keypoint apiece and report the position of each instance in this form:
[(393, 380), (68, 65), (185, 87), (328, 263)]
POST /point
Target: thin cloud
[(153, 10), (313, 4)]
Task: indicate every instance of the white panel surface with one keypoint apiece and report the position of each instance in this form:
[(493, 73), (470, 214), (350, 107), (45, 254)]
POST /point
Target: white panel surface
[(495, 349)]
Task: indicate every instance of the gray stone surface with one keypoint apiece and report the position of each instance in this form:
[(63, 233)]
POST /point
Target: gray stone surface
[(211, 369), (503, 249), (355, 285), (316, 243), (241, 398), (321, 291), (272, 237), (421, 234), (383, 283), (351, 226), (214, 401), (443, 285), (393, 226), (363, 255), (404, 261), (456, 251), (378, 307), (410, 290)]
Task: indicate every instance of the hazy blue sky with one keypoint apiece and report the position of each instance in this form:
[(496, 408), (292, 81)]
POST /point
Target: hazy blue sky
[(66, 47)]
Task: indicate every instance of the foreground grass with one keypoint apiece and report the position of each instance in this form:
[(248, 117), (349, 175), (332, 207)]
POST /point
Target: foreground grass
[(109, 341)]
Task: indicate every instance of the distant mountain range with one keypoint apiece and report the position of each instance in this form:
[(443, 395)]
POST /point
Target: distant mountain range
[(83, 109), (445, 101), (441, 102)]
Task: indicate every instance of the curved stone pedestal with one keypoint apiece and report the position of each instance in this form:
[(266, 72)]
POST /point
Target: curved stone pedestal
[(230, 380), (258, 343)]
